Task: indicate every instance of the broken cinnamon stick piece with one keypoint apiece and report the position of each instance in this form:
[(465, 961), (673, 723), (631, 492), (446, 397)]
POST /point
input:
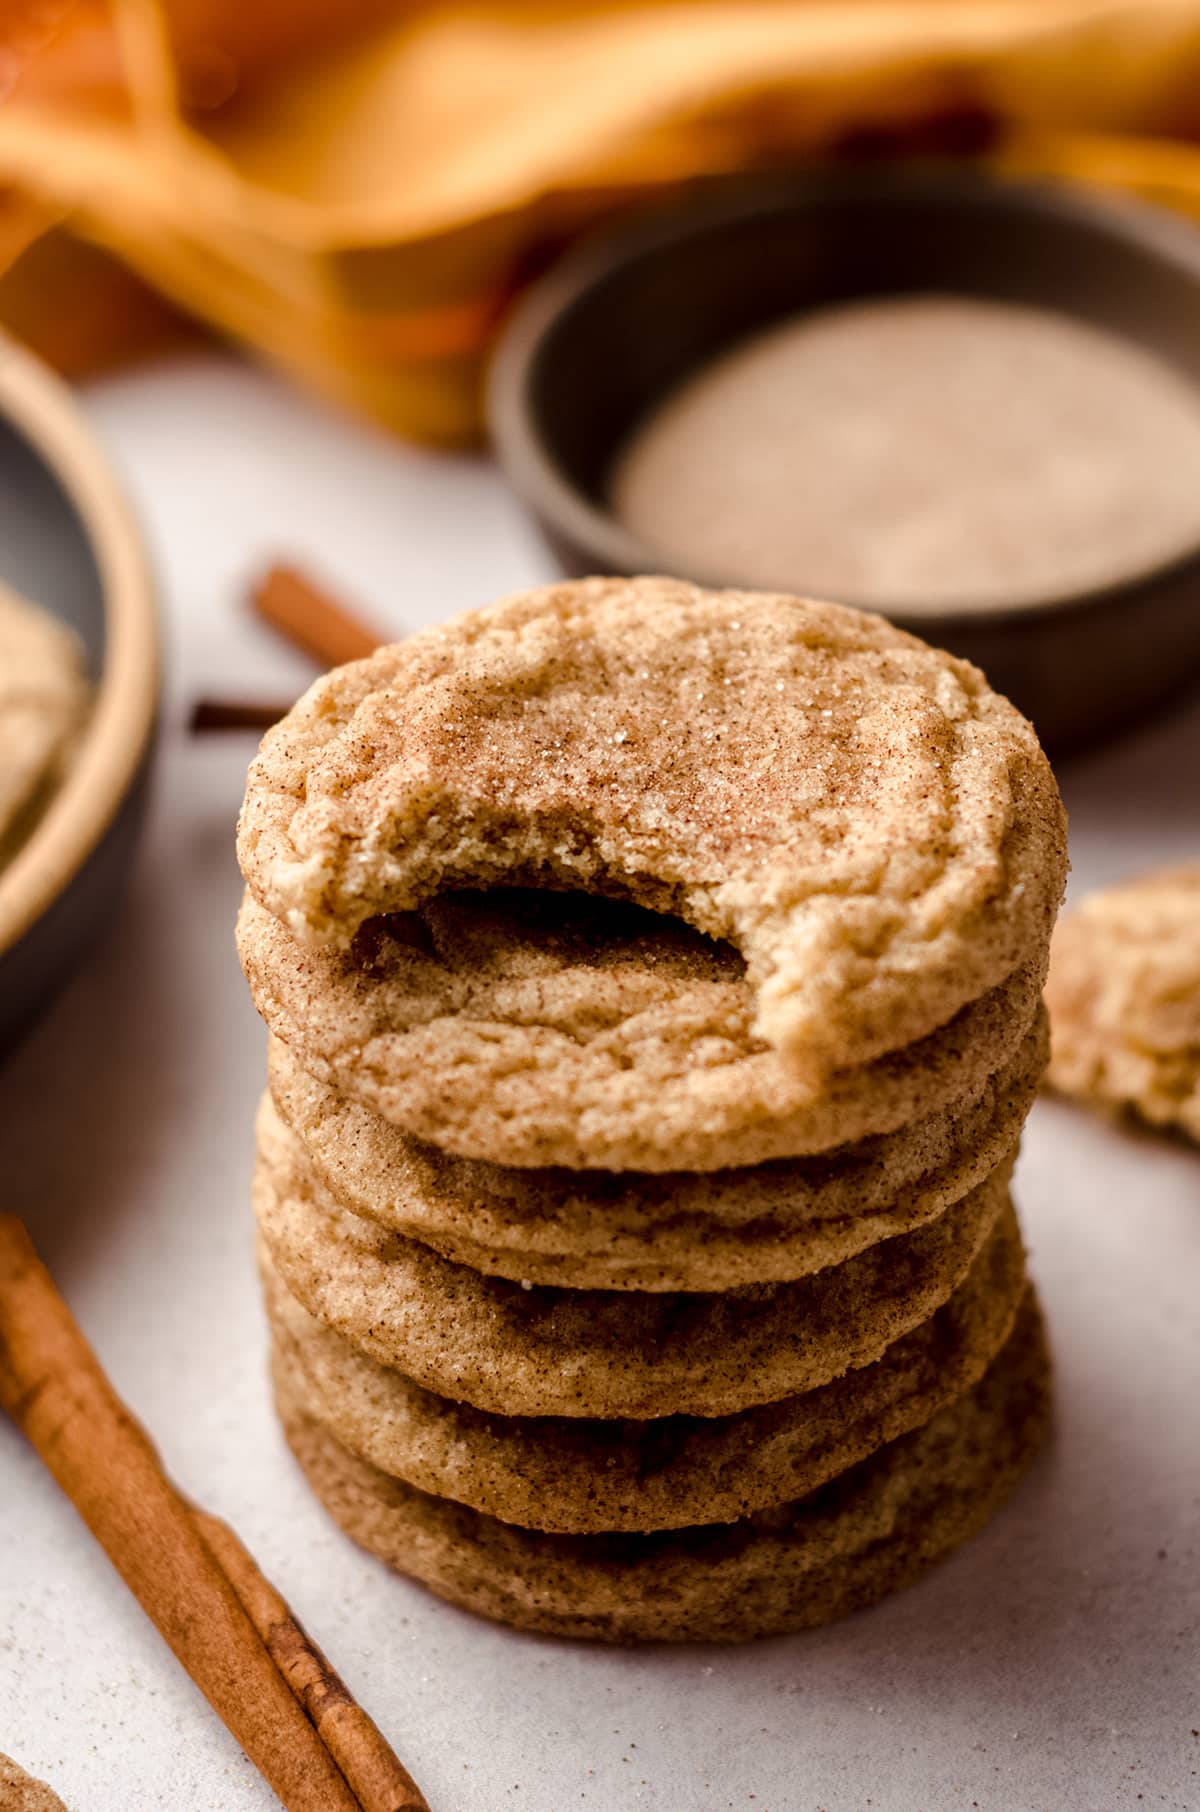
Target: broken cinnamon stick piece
[(209, 714), (354, 1740), (53, 1387), (312, 618)]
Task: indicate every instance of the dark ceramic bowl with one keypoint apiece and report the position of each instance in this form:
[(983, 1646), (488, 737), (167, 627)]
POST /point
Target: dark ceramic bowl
[(67, 541), (598, 342)]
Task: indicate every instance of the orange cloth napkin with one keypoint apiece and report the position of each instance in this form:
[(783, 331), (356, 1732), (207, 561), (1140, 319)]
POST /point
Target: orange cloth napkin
[(356, 191)]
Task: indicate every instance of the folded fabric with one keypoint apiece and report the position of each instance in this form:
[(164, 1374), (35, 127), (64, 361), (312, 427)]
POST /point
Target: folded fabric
[(357, 192)]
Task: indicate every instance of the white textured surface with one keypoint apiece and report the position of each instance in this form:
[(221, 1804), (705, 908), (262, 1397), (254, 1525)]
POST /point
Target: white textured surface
[(1053, 1666)]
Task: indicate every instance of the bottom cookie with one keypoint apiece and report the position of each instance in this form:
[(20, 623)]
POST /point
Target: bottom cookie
[(865, 1534)]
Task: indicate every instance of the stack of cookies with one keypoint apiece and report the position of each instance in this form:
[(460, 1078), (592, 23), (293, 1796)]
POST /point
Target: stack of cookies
[(654, 984)]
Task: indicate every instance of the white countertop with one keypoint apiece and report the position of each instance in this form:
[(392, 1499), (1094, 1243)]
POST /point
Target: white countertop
[(1052, 1666)]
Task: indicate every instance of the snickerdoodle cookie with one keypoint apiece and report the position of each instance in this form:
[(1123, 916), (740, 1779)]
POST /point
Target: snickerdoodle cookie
[(543, 1351), (535, 1028), (44, 698), (577, 1476), (681, 1230), (868, 1532), (1124, 999), (875, 831)]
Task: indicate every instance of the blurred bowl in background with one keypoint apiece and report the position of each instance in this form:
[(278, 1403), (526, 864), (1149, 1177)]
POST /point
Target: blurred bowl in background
[(598, 343), (69, 543)]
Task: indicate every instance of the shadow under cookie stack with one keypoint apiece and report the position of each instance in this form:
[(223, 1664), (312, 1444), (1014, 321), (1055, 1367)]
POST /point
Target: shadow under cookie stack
[(654, 980)]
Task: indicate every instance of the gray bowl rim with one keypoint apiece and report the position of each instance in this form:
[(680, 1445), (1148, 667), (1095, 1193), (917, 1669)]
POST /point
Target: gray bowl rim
[(114, 744), (1157, 235)]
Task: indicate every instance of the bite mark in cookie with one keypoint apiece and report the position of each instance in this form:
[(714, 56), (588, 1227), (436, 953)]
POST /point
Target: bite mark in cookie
[(536, 1029), (875, 831)]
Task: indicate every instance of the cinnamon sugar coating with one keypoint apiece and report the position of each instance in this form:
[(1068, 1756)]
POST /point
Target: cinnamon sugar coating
[(537, 1029), (577, 1476), (682, 1230), (545, 1351), (874, 830), (869, 1532)]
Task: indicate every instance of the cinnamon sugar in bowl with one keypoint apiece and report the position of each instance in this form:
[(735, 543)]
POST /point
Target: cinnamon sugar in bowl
[(971, 405)]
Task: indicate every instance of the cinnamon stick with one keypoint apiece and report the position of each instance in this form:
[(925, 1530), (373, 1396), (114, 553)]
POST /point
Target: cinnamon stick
[(311, 617), (314, 621), (53, 1387), (354, 1740), (209, 714)]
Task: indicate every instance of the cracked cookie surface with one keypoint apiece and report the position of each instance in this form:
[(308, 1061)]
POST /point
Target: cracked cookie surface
[(876, 832)]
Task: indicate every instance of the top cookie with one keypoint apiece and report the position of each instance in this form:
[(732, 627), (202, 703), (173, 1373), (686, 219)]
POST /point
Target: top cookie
[(875, 830), (1124, 998)]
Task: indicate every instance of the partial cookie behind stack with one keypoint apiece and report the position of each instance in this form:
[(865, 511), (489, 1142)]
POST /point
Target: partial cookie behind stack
[(654, 984), (1124, 992)]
